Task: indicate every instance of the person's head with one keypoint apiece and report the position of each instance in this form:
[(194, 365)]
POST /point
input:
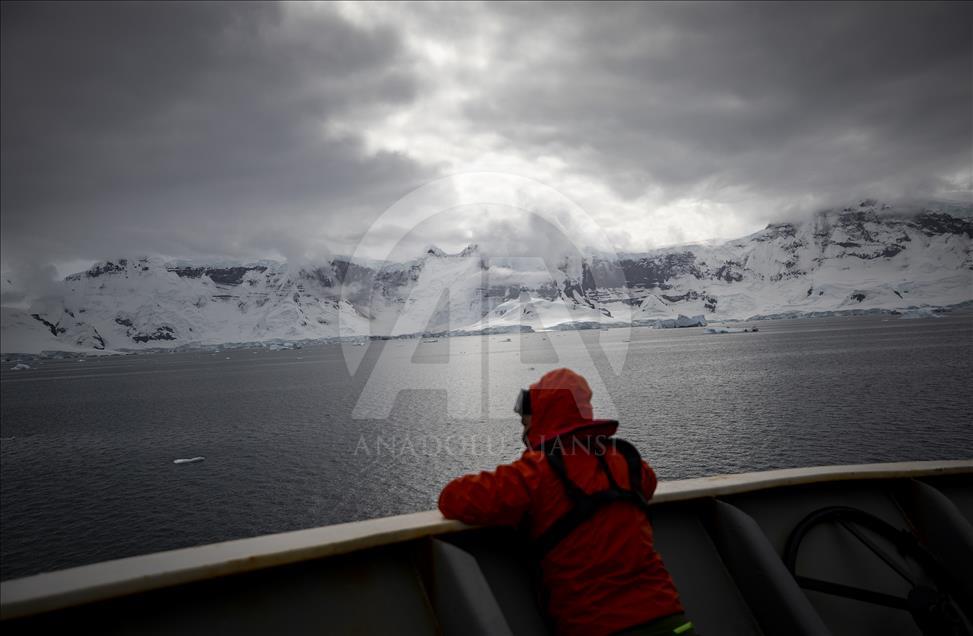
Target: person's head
[(557, 404)]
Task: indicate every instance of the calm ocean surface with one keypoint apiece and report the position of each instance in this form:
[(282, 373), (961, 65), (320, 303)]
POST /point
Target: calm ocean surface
[(294, 439)]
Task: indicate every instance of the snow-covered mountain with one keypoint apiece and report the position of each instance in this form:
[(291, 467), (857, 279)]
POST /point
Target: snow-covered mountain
[(869, 256), (865, 257)]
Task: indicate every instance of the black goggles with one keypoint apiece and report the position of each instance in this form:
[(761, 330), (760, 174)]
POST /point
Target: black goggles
[(522, 405)]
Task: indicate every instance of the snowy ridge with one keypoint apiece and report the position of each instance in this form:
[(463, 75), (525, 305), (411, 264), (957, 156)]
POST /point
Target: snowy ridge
[(863, 258)]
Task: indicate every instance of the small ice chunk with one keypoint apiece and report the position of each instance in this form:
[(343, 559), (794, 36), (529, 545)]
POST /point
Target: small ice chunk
[(20, 366), (188, 460), (920, 312)]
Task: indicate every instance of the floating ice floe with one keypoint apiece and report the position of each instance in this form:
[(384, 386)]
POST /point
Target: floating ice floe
[(188, 460), (728, 330), (20, 366)]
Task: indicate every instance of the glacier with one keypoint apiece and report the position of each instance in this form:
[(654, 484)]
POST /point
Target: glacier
[(869, 257)]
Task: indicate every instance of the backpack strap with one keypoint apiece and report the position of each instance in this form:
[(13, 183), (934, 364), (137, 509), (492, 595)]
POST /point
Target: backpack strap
[(634, 461), (585, 505), (555, 460)]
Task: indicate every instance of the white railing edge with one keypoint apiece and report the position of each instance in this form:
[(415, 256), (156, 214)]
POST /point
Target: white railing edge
[(102, 581)]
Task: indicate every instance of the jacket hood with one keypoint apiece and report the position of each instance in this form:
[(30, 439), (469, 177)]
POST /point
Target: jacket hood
[(561, 405)]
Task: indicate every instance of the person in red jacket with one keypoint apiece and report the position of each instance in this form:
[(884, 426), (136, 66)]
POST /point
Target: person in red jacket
[(573, 491)]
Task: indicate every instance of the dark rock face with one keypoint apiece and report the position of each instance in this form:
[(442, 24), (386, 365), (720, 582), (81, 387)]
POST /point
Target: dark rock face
[(547, 291), (219, 275), (891, 250), (776, 230), (729, 271), (388, 278), (98, 339), (55, 329), (188, 272), (932, 223), (790, 270), (574, 290), (656, 271), (100, 269), (347, 272), (58, 330), (164, 332), (853, 223), (587, 278), (607, 274), (231, 275), (709, 302), (321, 275)]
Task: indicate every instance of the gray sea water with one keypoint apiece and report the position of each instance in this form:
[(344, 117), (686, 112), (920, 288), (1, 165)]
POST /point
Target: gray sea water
[(301, 438)]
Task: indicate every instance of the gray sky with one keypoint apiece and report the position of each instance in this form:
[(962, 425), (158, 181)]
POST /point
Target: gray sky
[(249, 130)]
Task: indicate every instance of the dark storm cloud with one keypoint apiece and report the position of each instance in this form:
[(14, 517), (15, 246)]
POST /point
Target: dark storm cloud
[(253, 129), (189, 129), (779, 100)]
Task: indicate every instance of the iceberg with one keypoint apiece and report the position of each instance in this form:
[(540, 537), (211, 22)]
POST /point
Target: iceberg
[(20, 366), (681, 321)]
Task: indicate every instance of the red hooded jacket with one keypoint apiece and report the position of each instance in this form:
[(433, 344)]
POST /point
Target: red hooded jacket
[(603, 577)]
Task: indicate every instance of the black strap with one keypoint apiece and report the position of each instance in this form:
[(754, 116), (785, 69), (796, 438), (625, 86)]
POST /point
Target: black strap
[(634, 461), (556, 460), (612, 484), (585, 505)]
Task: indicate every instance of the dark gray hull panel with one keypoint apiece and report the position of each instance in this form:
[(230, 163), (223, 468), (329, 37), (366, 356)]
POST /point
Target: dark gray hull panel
[(724, 553)]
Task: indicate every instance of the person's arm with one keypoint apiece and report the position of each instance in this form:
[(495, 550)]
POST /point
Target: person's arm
[(499, 497)]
